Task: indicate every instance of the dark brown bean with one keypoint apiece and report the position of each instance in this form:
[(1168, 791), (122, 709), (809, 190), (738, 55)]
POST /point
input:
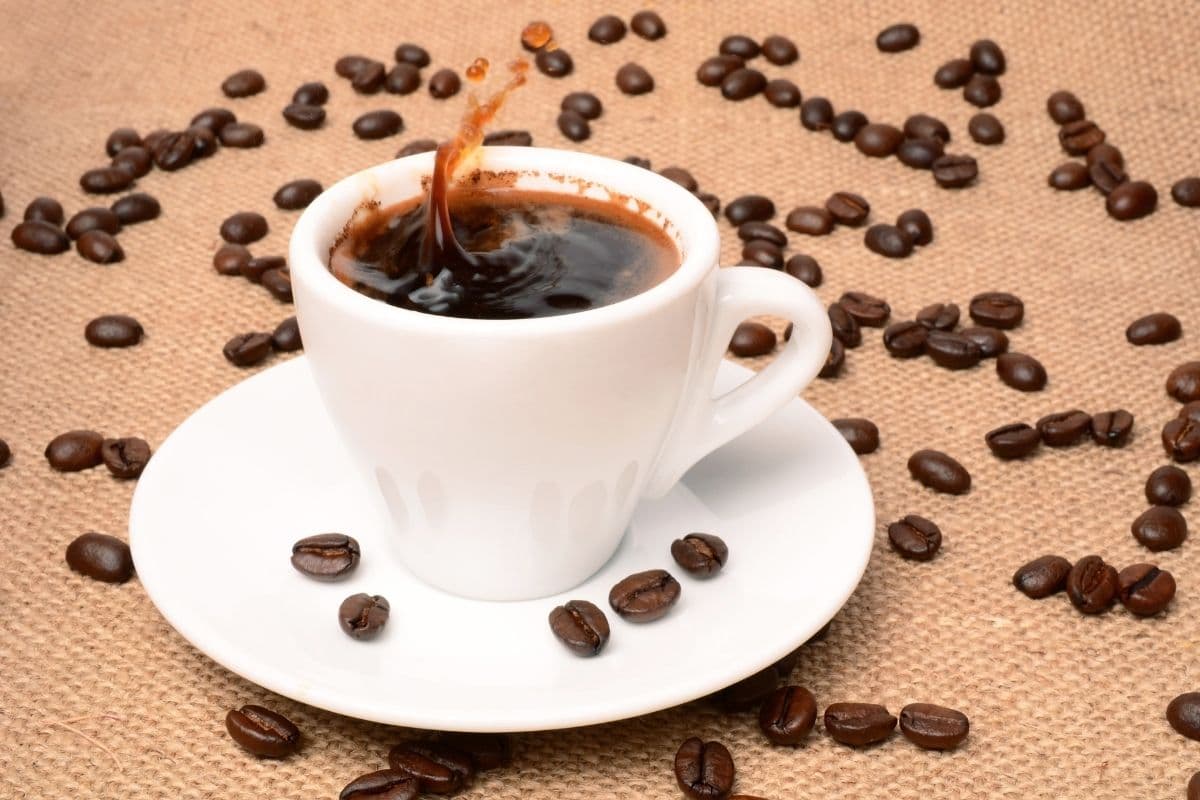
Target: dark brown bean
[(1183, 383), (924, 126), (215, 119), (860, 433), (847, 124), (644, 596), (244, 227), (113, 330), (858, 724), (954, 73), (363, 616), (175, 150), (710, 201), (313, 93), (939, 316), (137, 161), (804, 268), (915, 538), (1145, 589), (704, 770), (762, 231), (986, 129), (700, 554), (607, 29), (848, 208), (878, 140), (383, 784), (1092, 585), (742, 83), (633, 79), (763, 254), (934, 727), (749, 208), (905, 339), (752, 339), (75, 450), (586, 104), (378, 124), (581, 626), (326, 556), (955, 171), (888, 241), (780, 50), (1168, 486), (105, 180), (439, 767), (100, 557), (509, 138), (787, 715), (1131, 200), (952, 350), (412, 54), (919, 153), (262, 732), (417, 146), (286, 336), (1042, 577), (939, 472), (987, 57), (121, 138), (137, 207), (1158, 328), (1013, 441), (1021, 372), (1181, 439), (125, 458), (230, 259), (997, 309), (369, 77), (99, 247), (304, 117), (916, 224), (254, 269), (680, 176), (1183, 714), (1077, 137), (297, 194), (1064, 107), (845, 327), (648, 25), (1106, 176), (242, 135), (1112, 428), (991, 342), (574, 126), (1160, 528), (278, 282), (1186, 192), (739, 45), (867, 310), (897, 38), (782, 93), (488, 751), (247, 349), (555, 63), (833, 362), (713, 71), (1064, 428), (809, 220), (816, 114), (1069, 177), (982, 91), (97, 218), (244, 83)]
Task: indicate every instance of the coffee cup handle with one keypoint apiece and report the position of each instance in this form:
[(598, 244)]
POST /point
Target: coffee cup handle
[(704, 422)]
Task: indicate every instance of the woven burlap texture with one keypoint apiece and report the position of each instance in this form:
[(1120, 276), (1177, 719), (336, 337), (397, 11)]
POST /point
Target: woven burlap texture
[(100, 698)]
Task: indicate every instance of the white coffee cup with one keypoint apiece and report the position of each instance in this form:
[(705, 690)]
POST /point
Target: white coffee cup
[(510, 454)]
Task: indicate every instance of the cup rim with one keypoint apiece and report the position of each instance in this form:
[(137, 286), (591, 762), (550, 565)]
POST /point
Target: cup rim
[(697, 237)]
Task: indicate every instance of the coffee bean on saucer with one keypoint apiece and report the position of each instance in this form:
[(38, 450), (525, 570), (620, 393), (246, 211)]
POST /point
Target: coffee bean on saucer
[(241, 135), (286, 337), (1021, 372), (860, 433), (986, 129), (247, 349), (897, 38), (939, 472), (700, 554), (1183, 383), (105, 180), (749, 208), (888, 241), (809, 220), (574, 126), (244, 83), (833, 362), (383, 784), (555, 63), (742, 83), (848, 208), (644, 596), (915, 538), (782, 93), (378, 124), (98, 218), (997, 309), (230, 259), (306, 118), (1145, 589), (867, 310), (991, 342), (125, 458), (954, 171), (414, 54), (1131, 200), (982, 91), (1186, 192), (215, 119), (1064, 107), (314, 93), (1070, 177), (1183, 713), (858, 724), (919, 153), (934, 727), (763, 231), (954, 73), (99, 247), (1158, 328), (1013, 441), (878, 140), (326, 556), (1112, 428), (905, 339), (100, 557), (752, 339), (704, 770), (780, 50), (137, 161), (952, 350), (363, 616), (1042, 577), (262, 732), (712, 71), (987, 57), (75, 450), (1168, 486), (816, 114), (787, 715), (648, 25), (607, 29), (1092, 585), (40, 237), (847, 124), (1160, 528), (804, 268), (845, 327), (244, 227), (438, 767), (1064, 428), (297, 194), (1181, 439), (1077, 137), (581, 626)]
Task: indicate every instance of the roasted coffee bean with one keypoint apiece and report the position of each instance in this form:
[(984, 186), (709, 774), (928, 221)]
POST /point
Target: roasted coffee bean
[(1064, 107), (1181, 439), (867, 310), (247, 349), (809, 220), (712, 71), (137, 207), (748, 692), (991, 342), (326, 556), (704, 770), (417, 146), (920, 153), (555, 63), (278, 282), (1064, 428), (378, 124), (644, 596), (105, 180), (816, 114), (861, 434), (1168, 486), (648, 25), (75, 450), (1183, 713), (982, 91), (681, 176), (383, 784), (314, 93), (952, 350), (241, 135), (700, 554), (97, 218), (847, 124), (121, 138), (986, 129), (939, 472), (439, 767), (1013, 441), (369, 77), (780, 50), (898, 37), (607, 29), (633, 79), (297, 194), (749, 208), (888, 240), (286, 336), (915, 538), (1106, 153), (175, 151), (954, 73), (787, 715), (574, 126), (100, 557), (581, 626), (204, 142), (585, 104), (215, 119), (230, 259), (1092, 585), (445, 82), (1158, 328), (1021, 372), (740, 84), (905, 339), (125, 458), (845, 327), (740, 46), (934, 727), (154, 138), (752, 339), (858, 724), (99, 247), (136, 161), (1145, 589), (997, 310), (262, 732), (403, 78), (304, 117), (254, 269), (1130, 200), (833, 362), (987, 57), (878, 140), (1159, 528), (488, 751), (113, 330), (362, 616), (412, 54), (848, 208), (924, 126), (955, 172), (804, 268), (763, 254), (761, 231), (1070, 177), (244, 227), (1106, 176), (710, 201), (1186, 192), (1112, 428), (939, 316), (244, 83), (1184, 382), (1079, 136), (509, 138), (1042, 577), (782, 93)]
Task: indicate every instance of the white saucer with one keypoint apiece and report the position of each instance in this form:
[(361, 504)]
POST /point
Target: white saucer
[(225, 496)]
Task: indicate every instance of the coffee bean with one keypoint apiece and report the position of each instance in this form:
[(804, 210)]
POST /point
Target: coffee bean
[(1186, 192), (905, 339), (952, 350), (438, 766), (105, 180), (1159, 528), (304, 117), (488, 751), (75, 450), (847, 124), (955, 172), (99, 247), (991, 342), (711, 202), (286, 337), (574, 126), (100, 557), (704, 770), (137, 207), (787, 715), (135, 161), (1021, 372), (1013, 441), (1183, 713), (509, 138), (1092, 585), (417, 146), (633, 79), (152, 140), (378, 124), (804, 268), (311, 94), (254, 269), (954, 73), (858, 724), (1168, 486), (867, 310), (1130, 200), (383, 784), (700, 554), (861, 434), (899, 37), (121, 138), (326, 556), (752, 339), (230, 259), (748, 692), (848, 208), (648, 25), (1112, 428), (888, 241), (175, 151), (982, 91), (244, 227), (1106, 176), (278, 282), (934, 727), (585, 104), (762, 231), (215, 119), (1158, 328), (816, 114), (680, 176), (1105, 152), (782, 93), (262, 732), (125, 458), (740, 84), (809, 220), (241, 135), (369, 77), (97, 218), (939, 472), (712, 71), (919, 153), (607, 29), (1145, 589), (1184, 382), (845, 327), (878, 140), (1070, 176), (740, 46), (833, 362), (581, 626), (987, 57), (763, 254), (939, 316), (1079, 136), (412, 54), (997, 309), (1064, 428), (1042, 577), (553, 63), (986, 129), (297, 194), (247, 349), (244, 83), (1064, 107), (915, 538), (749, 208), (113, 330), (644, 596), (924, 126), (363, 616)]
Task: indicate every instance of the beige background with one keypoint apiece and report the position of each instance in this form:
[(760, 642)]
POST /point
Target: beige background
[(1061, 705)]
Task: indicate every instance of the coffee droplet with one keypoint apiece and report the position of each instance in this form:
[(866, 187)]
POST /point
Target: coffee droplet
[(536, 35), (477, 70)]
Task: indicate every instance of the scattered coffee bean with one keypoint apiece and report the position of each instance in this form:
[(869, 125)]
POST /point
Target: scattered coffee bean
[(136, 161), (100, 247), (644, 596), (113, 330), (215, 119), (1080, 136), (363, 616), (1145, 589), (782, 93), (833, 362), (916, 224), (286, 337), (175, 151), (939, 472), (816, 114), (204, 142), (1042, 577), (278, 281), (752, 339), (955, 172), (151, 141), (939, 316), (1168, 486), (607, 29), (378, 124), (700, 554), (713, 71), (241, 135), (845, 327), (952, 350), (1181, 438), (1105, 175), (574, 126), (982, 91), (897, 38), (304, 117), (44, 209), (137, 207), (230, 259), (787, 715), (1159, 528), (780, 50), (402, 78), (244, 227), (915, 538), (681, 176), (804, 268), (1112, 428), (105, 180), (749, 208), (585, 104), (919, 153), (1183, 713), (748, 692), (954, 73), (888, 240), (555, 63), (1130, 200), (934, 727), (740, 46), (861, 434), (75, 450), (125, 458), (326, 556), (1184, 382), (704, 770), (878, 140), (1186, 192), (809, 220), (369, 78), (848, 208), (924, 126), (1158, 328), (991, 342), (508, 138), (121, 138), (1092, 585), (262, 732), (297, 194), (905, 339), (247, 349), (417, 146), (1064, 428), (1064, 107), (763, 254), (847, 124), (383, 784), (648, 25), (740, 84), (311, 94), (1070, 177), (5, 454), (997, 310), (987, 57), (762, 231), (244, 83), (97, 218), (254, 269), (1021, 372), (581, 626), (445, 82), (438, 767), (413, 54), (1013, 441), (986, 129), (867, 310), (858, 724), (100, 557), (633, 79)]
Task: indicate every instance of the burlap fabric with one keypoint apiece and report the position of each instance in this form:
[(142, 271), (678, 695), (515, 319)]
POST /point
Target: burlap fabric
[(100, 698)]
